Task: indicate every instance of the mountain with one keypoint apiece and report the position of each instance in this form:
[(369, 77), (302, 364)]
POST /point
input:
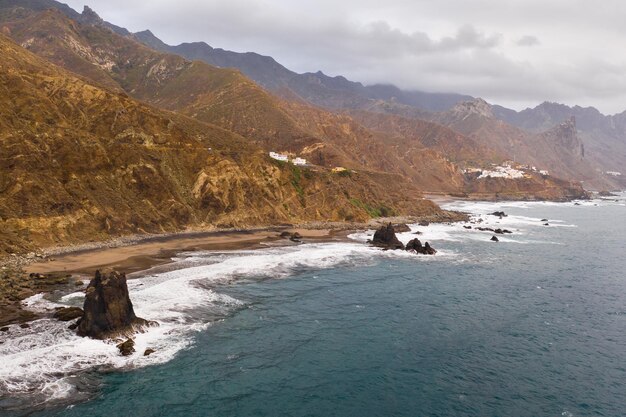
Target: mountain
[(226, 98), (316, 88), (88, 16), (604, 137), (338, 93), (559, 149), (80, 162), (223, 97)]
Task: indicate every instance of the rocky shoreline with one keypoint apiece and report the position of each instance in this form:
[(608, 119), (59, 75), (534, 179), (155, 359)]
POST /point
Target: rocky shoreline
[(17, 284)]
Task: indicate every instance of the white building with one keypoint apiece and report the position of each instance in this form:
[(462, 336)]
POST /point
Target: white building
[(613, 173), (279, 157), (298, 161), (544, 172), (502, 172)]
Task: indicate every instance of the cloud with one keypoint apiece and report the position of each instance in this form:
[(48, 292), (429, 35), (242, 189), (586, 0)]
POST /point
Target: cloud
[(528, 40), (510, 51)]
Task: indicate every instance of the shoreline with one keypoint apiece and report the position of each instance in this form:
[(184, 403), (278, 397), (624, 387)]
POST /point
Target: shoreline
[(65, 267)]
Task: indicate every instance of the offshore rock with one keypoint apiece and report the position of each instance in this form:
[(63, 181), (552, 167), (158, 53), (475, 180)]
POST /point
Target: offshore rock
[(385, 238), (494, 239), (416, 246), (108, 311), (127, 348), (68, 313)]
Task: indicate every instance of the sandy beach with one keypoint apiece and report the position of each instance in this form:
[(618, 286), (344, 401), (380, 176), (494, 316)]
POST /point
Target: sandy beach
[(67, 267), (160, 249)]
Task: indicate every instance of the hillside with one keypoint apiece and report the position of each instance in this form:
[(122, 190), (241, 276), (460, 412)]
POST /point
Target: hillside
[(427, 157), (224, 97), (558, 150), (83, 163), (316, 88), (604, 137)]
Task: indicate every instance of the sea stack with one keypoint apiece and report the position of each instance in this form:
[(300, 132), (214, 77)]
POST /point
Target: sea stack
[(385, 238), (108, 311), (416, 246)]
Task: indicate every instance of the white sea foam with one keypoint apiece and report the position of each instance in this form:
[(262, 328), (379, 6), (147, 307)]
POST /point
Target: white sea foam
[(184, 298), (42, 361)]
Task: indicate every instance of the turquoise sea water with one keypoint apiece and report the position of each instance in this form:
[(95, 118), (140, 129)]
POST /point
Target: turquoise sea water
[(534, 325)]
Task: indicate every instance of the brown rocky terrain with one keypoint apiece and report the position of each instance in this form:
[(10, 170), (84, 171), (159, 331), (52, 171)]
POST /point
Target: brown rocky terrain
[(80, 162), (427, 155), (558, 150)]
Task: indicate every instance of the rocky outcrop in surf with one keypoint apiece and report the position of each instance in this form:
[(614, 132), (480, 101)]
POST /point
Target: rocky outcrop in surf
[(386, 238), (68, 313), (416, 246), (108, 311)]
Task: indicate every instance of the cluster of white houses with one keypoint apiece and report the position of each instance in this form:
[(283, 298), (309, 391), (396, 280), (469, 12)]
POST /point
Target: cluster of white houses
[(508, 169), (285, 158)]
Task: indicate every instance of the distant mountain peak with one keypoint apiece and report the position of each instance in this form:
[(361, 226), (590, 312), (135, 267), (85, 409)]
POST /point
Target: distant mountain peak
[(89, 16), (476, 107)]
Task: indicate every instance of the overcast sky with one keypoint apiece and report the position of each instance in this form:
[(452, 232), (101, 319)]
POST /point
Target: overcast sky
[(516, 53)]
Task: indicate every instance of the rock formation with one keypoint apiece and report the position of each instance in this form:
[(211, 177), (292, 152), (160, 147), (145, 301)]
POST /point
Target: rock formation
[(68, 313), (108, 311), (127, 348), (494, 239), (385, 238), (416, 246), (401, 228), (500, 214)]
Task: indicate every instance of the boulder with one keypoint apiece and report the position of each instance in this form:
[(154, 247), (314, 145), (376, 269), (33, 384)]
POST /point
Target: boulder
[(68, 313), (4, 329), (605, 193), (296, 237), (385, 238), (424, 223), (127, 348), (494, 239), (543, 220), (546, 224), (500, 214), (401, 228), (467, 227), (148, 352), (286, 235), (416, 246), (108, 311), (428, 250)]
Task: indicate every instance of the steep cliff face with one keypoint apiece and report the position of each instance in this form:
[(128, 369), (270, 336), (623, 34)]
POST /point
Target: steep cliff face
[(603, 136), (229, 100), (79, 162), (559, 150)]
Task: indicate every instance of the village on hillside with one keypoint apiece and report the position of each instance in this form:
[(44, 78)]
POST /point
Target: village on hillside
[(508, 170)]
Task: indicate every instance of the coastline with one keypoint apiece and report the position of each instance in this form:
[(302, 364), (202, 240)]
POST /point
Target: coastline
[(65, 267)]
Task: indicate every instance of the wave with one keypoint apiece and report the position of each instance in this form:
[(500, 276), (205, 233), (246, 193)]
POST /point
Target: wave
[(48, 363), (45, 363)]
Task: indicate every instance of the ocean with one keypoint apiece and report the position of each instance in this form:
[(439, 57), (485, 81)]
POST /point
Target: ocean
[(533, 325)]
